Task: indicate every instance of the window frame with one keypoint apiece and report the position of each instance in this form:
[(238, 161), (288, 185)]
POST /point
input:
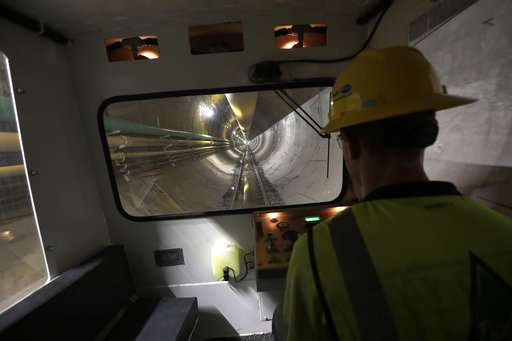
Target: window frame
[(321, 82), (47, 270)]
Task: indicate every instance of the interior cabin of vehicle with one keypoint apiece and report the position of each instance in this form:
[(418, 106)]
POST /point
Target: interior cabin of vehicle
[(159, 159)]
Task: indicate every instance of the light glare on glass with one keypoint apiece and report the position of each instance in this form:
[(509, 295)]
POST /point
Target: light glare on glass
[(206, 111), (149, 54)]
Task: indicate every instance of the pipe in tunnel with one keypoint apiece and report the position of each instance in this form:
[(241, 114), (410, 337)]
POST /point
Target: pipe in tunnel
[(134, 155), (122, 142), (132, 128), (9, 142), (7, 171)]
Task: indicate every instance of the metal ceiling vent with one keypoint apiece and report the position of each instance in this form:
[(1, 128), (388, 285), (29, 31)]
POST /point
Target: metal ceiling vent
[(436, 16)]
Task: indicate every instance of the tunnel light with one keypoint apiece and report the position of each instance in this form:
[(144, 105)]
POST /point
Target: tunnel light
[(273, 215), (290, 44), (149, 54), (206, 111), (6, 235)]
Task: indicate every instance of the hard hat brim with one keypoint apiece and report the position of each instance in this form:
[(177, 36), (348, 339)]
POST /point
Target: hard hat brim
[(435, 102)]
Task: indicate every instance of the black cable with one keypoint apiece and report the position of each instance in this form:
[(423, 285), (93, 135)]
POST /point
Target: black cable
[(300, 115), (321, 294), (350, 57), (269, 71), (234, 273), (291, 99), (246, 264)]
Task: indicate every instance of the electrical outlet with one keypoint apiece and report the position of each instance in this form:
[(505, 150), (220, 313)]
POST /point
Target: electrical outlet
[(170, 257)]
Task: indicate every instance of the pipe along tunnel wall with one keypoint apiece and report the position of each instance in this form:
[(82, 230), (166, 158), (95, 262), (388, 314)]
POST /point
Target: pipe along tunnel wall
[(196, 153)]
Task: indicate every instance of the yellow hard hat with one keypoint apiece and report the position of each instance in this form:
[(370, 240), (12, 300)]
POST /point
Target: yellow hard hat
[(384, 83)]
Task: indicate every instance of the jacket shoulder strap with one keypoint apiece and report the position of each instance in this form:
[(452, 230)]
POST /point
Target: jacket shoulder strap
[(370, 307)]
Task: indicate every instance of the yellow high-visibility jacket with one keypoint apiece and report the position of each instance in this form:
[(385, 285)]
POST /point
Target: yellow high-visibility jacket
[(395, 266)]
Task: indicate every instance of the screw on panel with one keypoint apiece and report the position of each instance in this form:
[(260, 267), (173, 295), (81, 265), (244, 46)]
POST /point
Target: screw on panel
[(20, 91), (489, 22), (33, 172)]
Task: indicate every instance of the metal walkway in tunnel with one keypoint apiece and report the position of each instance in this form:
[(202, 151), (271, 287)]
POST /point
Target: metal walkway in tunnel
[(251, 188), (142, 167)]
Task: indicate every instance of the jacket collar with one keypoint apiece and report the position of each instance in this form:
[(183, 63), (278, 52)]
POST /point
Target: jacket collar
[(413, 189)]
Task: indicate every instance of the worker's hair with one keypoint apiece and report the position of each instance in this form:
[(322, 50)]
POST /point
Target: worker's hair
[(403, 133)]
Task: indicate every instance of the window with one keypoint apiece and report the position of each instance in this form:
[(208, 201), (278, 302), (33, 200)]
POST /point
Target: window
[(300, 36), (132, 48), (22, 261), (220, 150)]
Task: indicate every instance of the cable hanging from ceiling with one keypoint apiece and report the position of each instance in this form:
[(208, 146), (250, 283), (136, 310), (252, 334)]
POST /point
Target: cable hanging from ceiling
[(270, 71)]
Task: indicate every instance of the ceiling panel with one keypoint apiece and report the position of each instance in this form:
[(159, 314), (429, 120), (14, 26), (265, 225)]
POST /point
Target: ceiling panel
[(79, 16)]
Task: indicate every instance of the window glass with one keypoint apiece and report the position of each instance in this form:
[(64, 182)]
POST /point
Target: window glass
[(22, 261), (132, 48), (300, 36), (221, 151)]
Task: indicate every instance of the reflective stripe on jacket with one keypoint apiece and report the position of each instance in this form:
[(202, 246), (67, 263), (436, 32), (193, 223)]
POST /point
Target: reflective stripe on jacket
[(396, 267)]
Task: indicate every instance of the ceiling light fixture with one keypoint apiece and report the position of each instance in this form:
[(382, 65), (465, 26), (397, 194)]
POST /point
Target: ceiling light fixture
[(149, 54), (206, 110), (6, 235), (290, 44)]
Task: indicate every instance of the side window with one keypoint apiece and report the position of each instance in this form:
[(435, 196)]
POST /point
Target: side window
[(221, 150), (22, 262)]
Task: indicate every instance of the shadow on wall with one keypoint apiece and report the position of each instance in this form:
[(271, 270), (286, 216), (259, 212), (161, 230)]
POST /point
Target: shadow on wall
[(195, 236), (212, 323), (491, 185)]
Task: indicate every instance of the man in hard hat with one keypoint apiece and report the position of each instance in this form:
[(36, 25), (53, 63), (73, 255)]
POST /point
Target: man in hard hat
[(403, 263)]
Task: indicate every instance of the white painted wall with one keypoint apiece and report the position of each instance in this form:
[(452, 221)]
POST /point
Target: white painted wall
[(65, 191), (394, 29), (96, 79), (472, 59), (475, 142)]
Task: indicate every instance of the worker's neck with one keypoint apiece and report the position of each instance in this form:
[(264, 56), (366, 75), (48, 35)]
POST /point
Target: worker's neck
[(385, 172)]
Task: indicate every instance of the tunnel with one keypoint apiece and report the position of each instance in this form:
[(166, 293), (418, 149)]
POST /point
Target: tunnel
[(222, 151)]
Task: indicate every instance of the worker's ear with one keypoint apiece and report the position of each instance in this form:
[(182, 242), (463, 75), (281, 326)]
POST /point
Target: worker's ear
[(351, 146)]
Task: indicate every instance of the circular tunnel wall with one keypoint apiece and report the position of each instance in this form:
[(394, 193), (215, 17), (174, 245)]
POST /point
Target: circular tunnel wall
[(196, 154)]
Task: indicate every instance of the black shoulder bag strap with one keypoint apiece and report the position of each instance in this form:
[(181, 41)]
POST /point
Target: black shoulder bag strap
[(318, 284), (371, 309)]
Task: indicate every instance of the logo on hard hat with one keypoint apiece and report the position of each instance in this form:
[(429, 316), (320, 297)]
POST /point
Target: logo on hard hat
[(342, 92), (346, 90)]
